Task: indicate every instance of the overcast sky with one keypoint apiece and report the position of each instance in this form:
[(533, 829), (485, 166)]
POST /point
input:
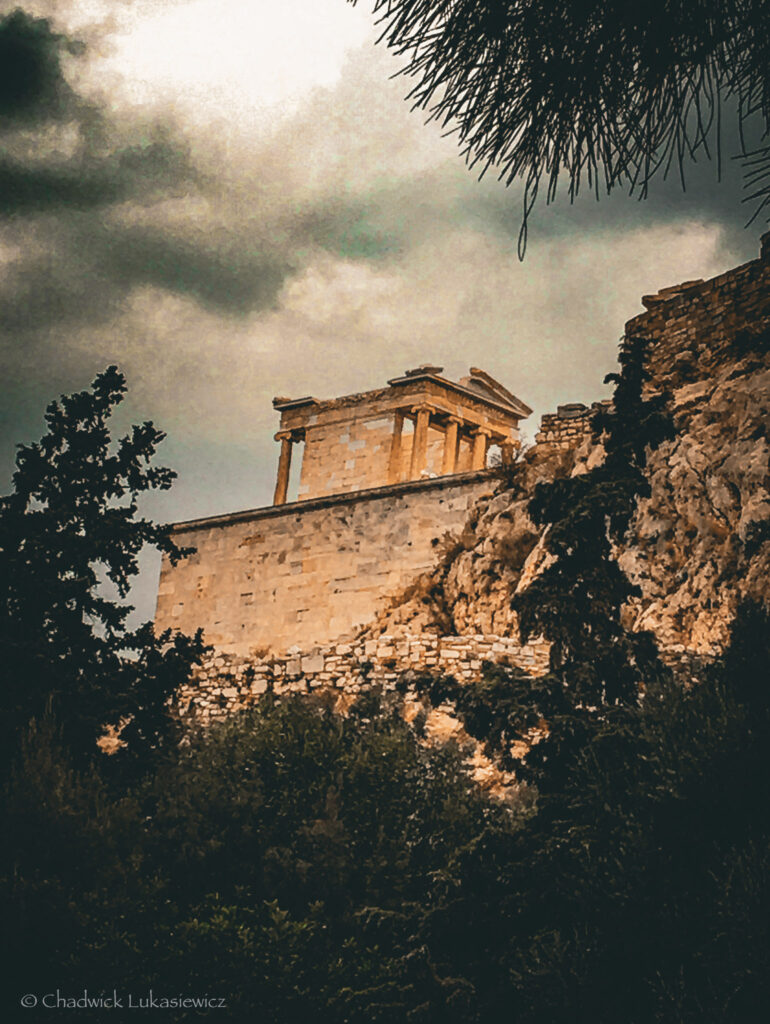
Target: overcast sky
[(231, 200)]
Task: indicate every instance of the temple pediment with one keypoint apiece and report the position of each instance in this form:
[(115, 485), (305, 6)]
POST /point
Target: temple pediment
[(486, 385)]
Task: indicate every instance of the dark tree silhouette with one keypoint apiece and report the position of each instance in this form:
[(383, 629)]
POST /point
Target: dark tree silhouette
[(70, 524), (602, 94)]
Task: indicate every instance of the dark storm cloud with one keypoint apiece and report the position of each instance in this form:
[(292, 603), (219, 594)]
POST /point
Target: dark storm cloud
[(68, 264), (232, 278), (375, 224), (47, 293), (91, 180), (30, 190), (32, 85), (90, 246), (71, 208)]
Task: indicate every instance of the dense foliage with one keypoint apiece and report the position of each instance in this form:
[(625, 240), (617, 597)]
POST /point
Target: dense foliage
[(283, 861), (598, 667), (307, 866)]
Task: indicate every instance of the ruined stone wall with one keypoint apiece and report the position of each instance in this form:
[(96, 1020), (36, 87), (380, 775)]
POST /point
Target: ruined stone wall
[(310, 572), (567, 428), (228, 683), (700, 328)]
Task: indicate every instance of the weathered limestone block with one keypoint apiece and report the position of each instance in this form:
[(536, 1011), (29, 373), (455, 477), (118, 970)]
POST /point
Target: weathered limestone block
[(312, 663)]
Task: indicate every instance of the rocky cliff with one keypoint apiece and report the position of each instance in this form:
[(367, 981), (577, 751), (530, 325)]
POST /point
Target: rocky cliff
[(700, 541)]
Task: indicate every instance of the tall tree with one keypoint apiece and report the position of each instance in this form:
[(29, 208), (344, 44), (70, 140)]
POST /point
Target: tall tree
[(602, 94), (69, 527)]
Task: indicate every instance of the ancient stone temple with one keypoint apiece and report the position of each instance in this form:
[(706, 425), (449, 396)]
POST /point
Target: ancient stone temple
[(385, 475), (420, 426)]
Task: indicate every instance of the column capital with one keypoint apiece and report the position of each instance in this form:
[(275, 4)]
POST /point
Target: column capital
[(297, 434), (481, 431), (423, 407), (455, 419)]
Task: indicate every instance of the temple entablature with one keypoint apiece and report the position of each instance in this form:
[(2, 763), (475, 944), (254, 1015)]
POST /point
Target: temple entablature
[(422, 425)]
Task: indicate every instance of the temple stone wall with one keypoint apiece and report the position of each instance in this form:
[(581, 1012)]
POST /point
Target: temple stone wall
[(351, 454), (312, 571), (346, 453)]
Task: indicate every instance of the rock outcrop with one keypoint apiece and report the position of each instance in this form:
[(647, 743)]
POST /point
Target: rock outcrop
[(701, 541), (470, 588)]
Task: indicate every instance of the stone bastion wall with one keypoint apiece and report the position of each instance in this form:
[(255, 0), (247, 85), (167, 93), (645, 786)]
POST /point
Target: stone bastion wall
[(285, 594), (316, 570), (311, 571), (225, 683)]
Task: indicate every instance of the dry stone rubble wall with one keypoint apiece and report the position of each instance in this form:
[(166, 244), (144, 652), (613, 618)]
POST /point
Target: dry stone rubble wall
[(226, 683)]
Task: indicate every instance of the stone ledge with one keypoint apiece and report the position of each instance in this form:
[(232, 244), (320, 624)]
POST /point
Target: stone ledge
[(328, 500)]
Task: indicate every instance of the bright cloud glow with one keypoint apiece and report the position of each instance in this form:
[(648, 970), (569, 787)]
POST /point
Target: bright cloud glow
[(232, 58)]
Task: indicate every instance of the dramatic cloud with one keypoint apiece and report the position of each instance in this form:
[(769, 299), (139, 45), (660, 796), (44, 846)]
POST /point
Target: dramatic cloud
[(232, 201), (32, 86)]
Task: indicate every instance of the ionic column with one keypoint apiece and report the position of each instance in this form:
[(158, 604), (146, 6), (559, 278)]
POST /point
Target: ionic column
[(284, 467), (420, 441), (480, 445), (451, 445), (394, 463)]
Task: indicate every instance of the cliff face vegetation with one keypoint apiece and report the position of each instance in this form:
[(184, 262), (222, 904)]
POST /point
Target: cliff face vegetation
[(696, 544), (470, 589)]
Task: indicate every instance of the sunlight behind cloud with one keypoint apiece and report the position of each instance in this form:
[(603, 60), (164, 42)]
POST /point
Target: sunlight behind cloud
[(227, 58)]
